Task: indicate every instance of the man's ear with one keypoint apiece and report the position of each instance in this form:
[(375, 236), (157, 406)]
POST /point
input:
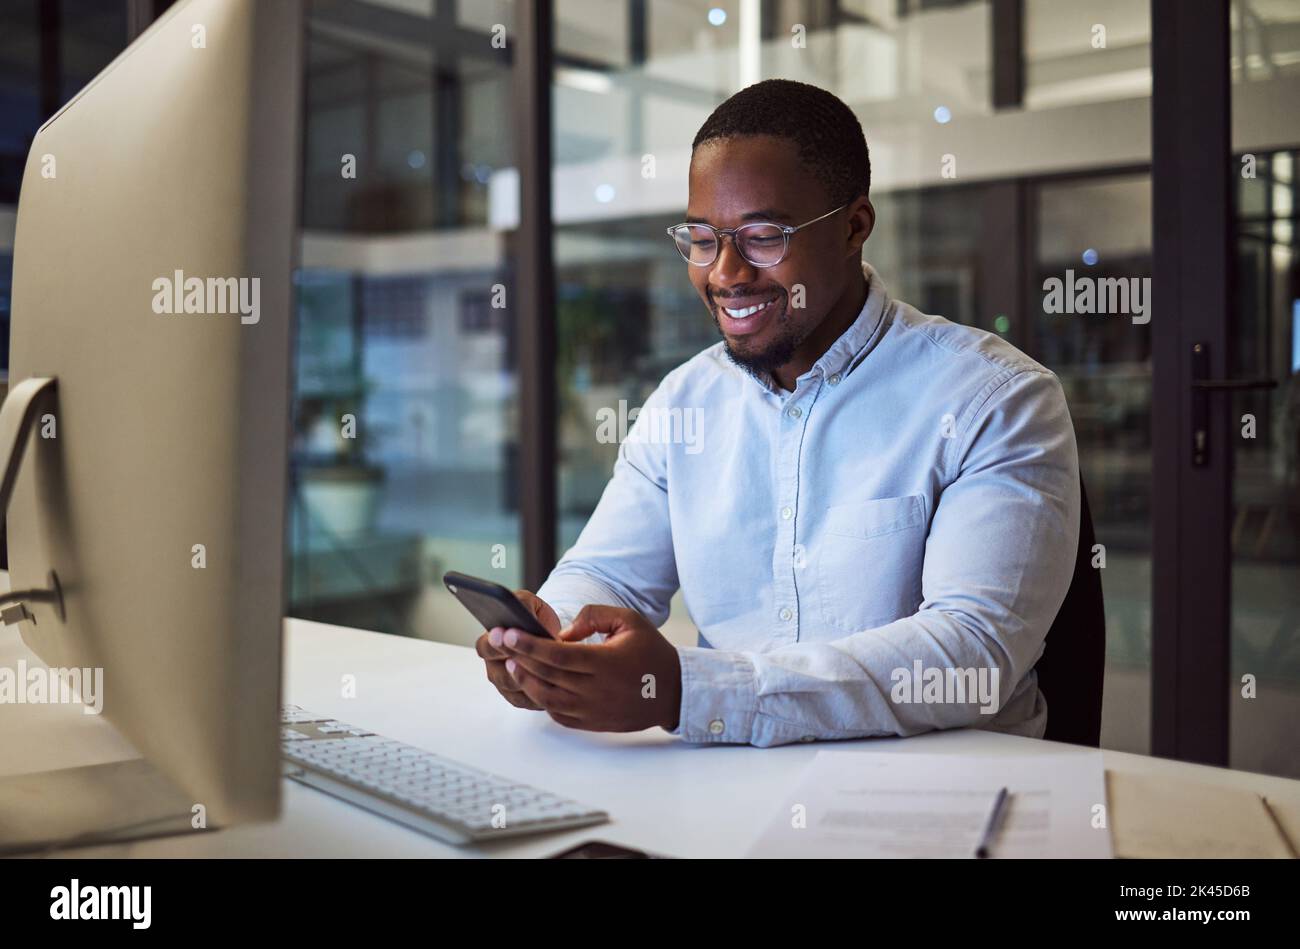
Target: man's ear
[(862, 220)]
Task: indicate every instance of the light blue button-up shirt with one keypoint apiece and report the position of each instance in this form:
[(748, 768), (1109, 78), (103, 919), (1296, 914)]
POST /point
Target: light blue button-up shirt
[(879, 552)]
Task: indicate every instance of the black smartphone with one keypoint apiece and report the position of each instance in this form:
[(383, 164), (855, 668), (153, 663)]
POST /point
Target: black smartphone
[(492, 604)]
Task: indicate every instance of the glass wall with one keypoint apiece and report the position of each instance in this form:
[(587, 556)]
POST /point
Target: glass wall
[(1265, 334), (20, 97), (405, 412), (92, 33), (48, 52), (1086, 124), (1099, 226)]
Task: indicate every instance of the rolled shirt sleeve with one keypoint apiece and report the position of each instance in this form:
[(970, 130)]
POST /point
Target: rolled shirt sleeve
[(624, 555)]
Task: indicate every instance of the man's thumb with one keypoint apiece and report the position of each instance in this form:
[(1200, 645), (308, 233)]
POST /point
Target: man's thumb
[(593, 618)]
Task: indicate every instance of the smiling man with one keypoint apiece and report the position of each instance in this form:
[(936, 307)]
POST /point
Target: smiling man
[(880, 523)]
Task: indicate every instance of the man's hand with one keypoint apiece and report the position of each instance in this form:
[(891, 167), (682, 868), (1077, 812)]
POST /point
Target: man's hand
[(627, 683), (494, 658)]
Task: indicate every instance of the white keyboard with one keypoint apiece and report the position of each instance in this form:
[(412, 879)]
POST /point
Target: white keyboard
[(424, 791)]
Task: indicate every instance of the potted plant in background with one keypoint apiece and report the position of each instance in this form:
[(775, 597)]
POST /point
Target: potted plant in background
[(340, 488), (601, 332)]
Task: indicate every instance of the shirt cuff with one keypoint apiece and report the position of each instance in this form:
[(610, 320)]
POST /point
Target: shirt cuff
[(718, 696)]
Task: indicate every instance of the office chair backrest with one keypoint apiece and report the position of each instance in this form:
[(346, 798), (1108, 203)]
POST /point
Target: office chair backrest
[(1071, 668)]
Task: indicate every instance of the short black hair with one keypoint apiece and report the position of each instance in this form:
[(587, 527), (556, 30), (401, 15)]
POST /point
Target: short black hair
[(825, 130)]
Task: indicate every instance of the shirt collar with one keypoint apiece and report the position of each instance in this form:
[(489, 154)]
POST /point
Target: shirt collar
[(854, 343), (852, 346)]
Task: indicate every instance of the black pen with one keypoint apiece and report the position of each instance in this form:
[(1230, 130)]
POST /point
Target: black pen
[(994, 822)]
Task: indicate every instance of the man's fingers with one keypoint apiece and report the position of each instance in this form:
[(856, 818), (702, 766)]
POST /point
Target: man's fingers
[(540, 609), (595, 618), (567, 656), (487, 645), (509, 688), (528, 599), (520, 700), (553, 698), (568, 721), (569, 681), (500, 676)]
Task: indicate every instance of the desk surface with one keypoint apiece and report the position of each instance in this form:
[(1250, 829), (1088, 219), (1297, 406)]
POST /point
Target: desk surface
[(663, 795)]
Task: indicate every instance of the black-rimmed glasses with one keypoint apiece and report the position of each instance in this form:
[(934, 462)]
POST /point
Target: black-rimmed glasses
[(762, 243)]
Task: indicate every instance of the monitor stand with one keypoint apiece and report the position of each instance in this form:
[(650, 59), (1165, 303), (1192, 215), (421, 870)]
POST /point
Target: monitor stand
[(17, 418), (90, 806)]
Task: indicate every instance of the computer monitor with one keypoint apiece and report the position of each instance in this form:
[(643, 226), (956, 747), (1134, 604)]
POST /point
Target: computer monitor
[(152, 284)]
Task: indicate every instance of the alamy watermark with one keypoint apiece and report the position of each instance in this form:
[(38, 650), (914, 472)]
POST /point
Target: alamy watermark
[(130, 903), (182, 294), (1122, 296), (53, 686), (935, 685), (656, 425)]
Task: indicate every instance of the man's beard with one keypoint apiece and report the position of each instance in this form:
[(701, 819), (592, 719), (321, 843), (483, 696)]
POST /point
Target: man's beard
[(775, 355)]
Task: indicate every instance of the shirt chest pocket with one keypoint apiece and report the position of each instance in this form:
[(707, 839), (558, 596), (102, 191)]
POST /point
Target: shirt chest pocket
[(869, 562)]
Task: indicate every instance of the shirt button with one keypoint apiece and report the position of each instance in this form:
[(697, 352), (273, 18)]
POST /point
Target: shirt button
[(785, 615), (794, 411), (834, 379), (786, 513), (716, 727)]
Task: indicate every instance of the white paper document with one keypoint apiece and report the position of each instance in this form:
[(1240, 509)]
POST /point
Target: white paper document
[(892, 804)]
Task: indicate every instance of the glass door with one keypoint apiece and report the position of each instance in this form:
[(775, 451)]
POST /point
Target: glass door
[(1264, 347)]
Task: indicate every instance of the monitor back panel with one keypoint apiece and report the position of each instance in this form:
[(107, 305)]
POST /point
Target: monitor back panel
[(159, 501)]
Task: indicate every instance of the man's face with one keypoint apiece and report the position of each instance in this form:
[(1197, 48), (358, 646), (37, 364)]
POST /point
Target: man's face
[(760, 178)]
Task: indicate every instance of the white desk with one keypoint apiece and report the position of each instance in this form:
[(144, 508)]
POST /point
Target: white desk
[(662, 794)]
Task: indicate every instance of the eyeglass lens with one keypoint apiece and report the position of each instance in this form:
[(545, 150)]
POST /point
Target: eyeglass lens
[(761, 244)]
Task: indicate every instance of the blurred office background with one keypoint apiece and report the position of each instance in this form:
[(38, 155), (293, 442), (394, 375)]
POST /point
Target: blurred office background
[(402, 266)]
